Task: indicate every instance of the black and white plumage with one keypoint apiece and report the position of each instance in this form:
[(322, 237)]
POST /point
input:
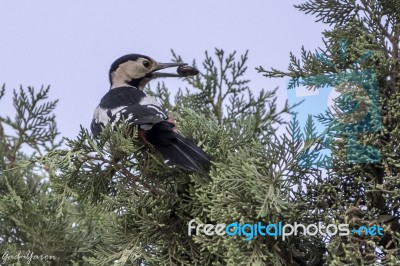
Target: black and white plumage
[(127, 100)]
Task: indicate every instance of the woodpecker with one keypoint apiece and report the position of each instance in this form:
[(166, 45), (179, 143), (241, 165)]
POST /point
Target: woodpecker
[(126, 100)]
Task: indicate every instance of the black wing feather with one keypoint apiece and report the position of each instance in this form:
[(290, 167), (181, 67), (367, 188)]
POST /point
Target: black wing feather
[(177, 150)]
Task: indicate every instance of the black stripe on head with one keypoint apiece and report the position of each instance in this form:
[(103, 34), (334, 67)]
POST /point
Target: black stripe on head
[(123, 59)]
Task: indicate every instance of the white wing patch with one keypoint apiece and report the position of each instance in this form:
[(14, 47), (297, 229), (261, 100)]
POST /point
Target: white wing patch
[(149, 100), (160, 112), (102, 115)]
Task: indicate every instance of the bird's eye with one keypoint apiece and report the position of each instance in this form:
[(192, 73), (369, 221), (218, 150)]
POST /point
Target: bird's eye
[(146, 64)]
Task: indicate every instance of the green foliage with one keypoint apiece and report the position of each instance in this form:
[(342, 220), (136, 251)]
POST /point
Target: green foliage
[(112, 200), (365, 36), (34, 220), (222, 91)]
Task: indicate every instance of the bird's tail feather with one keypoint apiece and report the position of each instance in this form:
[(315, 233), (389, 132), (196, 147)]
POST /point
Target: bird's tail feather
[(184, 154)]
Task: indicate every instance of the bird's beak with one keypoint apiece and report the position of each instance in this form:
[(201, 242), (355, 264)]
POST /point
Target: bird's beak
[(163, 66)]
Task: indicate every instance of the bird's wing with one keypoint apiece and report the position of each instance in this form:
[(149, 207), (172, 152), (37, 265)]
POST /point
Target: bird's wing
[(137, 114), (140, 114), (130, 104)]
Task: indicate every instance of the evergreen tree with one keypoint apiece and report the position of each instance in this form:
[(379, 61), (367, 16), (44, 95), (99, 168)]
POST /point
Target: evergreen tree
[(112, 201), (37, 226), (362, 187)]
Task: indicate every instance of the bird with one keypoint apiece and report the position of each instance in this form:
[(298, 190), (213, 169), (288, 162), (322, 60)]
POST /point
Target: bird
[(126, 100)]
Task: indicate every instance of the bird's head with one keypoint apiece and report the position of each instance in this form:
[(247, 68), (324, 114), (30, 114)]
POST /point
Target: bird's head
[(137, 70)]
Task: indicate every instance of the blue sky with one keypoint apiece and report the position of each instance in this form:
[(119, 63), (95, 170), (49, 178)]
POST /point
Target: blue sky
[(70, 45)]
